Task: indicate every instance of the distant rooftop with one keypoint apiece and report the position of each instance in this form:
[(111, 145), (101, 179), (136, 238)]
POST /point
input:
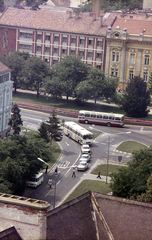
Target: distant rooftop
[(57, 21), (4, 68)]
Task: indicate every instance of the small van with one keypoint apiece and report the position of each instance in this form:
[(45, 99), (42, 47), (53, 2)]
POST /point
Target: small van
[(35, 180)]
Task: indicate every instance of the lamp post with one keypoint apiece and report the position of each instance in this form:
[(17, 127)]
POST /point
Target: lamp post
[(108, 157)]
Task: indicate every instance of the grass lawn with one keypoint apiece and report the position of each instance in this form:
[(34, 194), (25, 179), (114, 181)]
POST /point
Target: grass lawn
[(103, 169), (62, 103), (92, 185), (130, 146)]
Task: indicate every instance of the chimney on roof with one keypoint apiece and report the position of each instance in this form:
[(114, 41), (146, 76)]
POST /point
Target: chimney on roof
[(96, 7), (76, 15)]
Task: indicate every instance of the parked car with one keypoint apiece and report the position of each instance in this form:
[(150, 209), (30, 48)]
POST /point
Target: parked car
[(85, 157), (85, 149), (82, 166), (35, 180)]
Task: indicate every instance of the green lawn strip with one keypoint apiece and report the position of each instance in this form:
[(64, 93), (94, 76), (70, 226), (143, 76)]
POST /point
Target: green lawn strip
[(62, 103), (130, 146), (103, 169), (86, 185), (95, 133)]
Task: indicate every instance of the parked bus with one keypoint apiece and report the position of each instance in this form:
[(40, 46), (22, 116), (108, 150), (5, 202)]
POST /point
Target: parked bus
[(35, 180), (78, 133), (109, 119)]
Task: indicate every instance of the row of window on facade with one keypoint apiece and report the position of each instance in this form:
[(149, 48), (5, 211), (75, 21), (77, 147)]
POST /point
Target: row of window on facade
[(56, 51), (114, 72), (56, 39), (116, 58)]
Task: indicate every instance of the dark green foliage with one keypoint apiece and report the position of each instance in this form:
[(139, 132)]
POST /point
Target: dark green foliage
[(131, 181), (65, 76), (15, 121), (43, 130), (136, 98), (150, 83), (16, 62), (36, 70), (18, 159)]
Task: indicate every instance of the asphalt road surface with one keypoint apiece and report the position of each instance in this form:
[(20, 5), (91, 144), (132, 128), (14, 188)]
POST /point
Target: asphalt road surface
[(63, 183)]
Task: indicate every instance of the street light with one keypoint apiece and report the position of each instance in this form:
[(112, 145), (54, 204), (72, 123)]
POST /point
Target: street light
[(108, 157)]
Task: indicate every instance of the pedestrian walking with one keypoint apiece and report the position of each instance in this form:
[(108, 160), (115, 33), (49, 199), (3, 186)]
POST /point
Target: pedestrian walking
[(46, 169), (73, 173), (56, 170), (98, 175), (50, 182)]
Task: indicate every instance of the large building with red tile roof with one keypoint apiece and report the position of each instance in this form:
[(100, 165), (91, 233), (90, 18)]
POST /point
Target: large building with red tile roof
[(53, 34), (5, 99), (129, 48)]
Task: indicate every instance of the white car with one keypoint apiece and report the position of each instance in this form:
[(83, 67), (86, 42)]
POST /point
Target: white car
[(85, 157), (85, 149), (82, 166)]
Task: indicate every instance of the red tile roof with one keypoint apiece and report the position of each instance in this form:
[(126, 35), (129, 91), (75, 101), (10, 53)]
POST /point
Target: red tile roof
[(134, 26), (55, 21), (4, 68)]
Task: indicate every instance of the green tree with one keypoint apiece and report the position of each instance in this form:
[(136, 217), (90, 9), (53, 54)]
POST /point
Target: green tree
[(43, 130), (53, 86), (83, 91), (96, 79), (54, 129), (110, 86), (136, 98), (36, 70), (15, 121), (150, 83), (18, 159), (69, 72), (146, 197), (131, 181), (15, 61)]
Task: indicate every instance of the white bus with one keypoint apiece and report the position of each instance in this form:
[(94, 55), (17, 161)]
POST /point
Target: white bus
[(35, 180), (78, 133), (102, 118)]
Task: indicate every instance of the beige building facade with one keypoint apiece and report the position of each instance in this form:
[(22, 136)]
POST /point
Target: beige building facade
[(129, 49)]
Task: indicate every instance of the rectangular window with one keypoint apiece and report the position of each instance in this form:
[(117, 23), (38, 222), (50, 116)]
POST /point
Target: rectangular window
[(24, 46), (64, 40), (114, 72), (39, 36), (132, 58), (26, 35), (56, 50), (90, 54), (38, 48), (98, 55), (56, 39), (73, 40), (6, 77), (146, 59), (145, 76), (99, 43), (64, 51), (90, 43), (47, 38), (115, 57), (47, 49), (82, 42), (131, 74)]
